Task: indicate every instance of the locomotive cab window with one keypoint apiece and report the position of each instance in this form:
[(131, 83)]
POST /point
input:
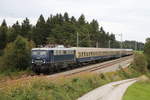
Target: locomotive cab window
[(41, 53)]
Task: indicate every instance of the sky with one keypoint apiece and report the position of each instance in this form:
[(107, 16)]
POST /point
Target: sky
[(131, 18)]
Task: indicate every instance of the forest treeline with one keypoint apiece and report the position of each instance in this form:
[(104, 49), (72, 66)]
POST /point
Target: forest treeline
[(62, 29)]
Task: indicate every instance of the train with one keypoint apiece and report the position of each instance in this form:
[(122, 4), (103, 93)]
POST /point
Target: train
[(49, 60)]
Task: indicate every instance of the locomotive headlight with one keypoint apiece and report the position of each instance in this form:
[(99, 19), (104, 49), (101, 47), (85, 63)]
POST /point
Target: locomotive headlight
[(32, 61), (44, 61)]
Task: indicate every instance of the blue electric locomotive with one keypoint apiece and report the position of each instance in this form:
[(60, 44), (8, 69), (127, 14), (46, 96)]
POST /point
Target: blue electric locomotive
[(50, 59)]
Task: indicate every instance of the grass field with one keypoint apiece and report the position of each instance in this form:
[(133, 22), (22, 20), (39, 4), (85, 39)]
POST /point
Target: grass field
[(11, 75), (70, 88), (138, 91)]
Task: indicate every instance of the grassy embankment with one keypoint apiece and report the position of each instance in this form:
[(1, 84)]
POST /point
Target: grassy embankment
[(70, 88), (141, 89), (138, 91), (11, 75)]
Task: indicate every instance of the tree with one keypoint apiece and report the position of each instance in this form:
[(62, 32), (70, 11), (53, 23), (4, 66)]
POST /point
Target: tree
[(49, 26), (39, 33), (66, 17), (17, 55), (26, 29), (81, 20), (61, 29), (73, 20), (147, 52), (140, 63), (94, 30), (13, 32), (3, 34)]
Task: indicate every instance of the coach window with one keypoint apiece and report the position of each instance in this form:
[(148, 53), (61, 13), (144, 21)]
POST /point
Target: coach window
[(79, 54), (67, 52), (54, 52), (70, 52), (103, 53), (57, 52), (60, 52)]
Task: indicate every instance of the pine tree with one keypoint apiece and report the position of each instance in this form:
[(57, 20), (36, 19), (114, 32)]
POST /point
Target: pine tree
[(26, 28), (3, 34), (40, 34), (94, 30), (73, 20), (17, 28), (66, 17), (81, 20), (14, 31)]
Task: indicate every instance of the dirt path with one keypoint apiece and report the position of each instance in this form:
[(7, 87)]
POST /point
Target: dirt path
[(111, 91)]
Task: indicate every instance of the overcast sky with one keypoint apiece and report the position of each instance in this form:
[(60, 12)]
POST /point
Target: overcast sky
[(129, 17)]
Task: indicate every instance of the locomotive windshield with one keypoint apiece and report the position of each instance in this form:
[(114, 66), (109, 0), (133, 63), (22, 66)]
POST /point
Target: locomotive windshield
[(41, 53)]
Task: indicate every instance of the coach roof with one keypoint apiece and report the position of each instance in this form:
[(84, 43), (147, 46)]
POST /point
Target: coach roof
[(53, 49)]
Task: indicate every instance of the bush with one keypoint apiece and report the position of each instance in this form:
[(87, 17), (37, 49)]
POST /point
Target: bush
[(147, 52), (140, 63), (17, 54)]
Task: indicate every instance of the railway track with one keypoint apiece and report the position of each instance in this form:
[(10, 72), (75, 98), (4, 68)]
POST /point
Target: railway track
[(92, 68)]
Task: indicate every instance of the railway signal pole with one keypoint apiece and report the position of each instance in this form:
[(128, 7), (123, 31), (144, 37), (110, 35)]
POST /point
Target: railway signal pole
[(121, 44), (135, 47), (77, 39), (121, 41), (109, 44)]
